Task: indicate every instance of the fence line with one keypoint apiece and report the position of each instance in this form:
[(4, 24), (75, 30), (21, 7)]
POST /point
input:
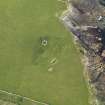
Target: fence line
[(26, 98)]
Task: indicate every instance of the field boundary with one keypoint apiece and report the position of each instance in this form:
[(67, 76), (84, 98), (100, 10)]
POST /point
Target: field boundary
[(25, 98)]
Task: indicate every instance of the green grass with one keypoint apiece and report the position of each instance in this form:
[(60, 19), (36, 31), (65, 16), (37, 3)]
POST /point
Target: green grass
[(24, 62), (6, 103)]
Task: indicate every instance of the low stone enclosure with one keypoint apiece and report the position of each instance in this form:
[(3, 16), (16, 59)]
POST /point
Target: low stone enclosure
[(86, 20), (7, 98)]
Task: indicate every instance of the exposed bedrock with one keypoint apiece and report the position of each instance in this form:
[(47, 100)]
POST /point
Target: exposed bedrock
[(86, 20)]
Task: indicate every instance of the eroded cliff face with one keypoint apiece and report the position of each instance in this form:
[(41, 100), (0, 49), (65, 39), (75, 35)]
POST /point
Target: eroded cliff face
[(86, 20)]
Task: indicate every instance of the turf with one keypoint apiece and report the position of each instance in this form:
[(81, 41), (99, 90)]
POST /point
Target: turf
[(25, 64)]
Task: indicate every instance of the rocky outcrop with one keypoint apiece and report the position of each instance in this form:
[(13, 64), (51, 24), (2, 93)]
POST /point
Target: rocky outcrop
[(86, 20)]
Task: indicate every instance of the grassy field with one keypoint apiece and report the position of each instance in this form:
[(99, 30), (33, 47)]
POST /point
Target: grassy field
[(53, 73)]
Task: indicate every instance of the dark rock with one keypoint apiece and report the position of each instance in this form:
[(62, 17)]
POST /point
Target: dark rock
[(86, 20)]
